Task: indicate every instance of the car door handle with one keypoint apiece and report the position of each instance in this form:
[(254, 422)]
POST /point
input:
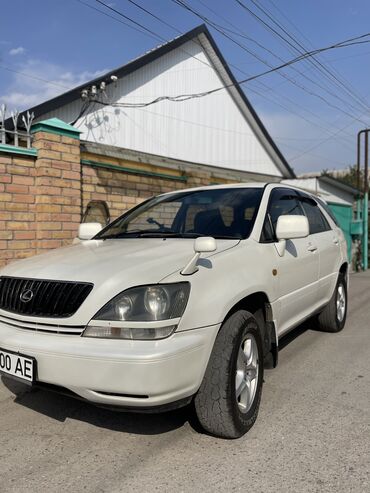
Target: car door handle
[(312, 248), (335, 241)]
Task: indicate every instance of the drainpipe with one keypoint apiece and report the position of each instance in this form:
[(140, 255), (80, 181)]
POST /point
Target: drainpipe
[(359, 205), (365, 246), (366, 202)]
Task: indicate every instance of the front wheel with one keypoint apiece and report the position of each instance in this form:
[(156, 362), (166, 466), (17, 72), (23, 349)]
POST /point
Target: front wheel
[(333, 317), (228, 400)]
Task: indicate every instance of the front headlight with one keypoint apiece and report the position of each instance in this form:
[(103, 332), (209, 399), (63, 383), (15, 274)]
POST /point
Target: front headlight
[(141, 304)]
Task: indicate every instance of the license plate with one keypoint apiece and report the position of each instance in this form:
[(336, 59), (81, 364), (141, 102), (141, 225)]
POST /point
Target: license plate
[(17, 366)]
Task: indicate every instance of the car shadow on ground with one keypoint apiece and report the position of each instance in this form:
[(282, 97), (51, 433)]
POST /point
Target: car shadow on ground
[(61, 407)]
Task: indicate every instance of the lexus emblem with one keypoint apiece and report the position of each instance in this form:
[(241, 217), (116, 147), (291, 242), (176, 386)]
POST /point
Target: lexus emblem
[(26, 296)]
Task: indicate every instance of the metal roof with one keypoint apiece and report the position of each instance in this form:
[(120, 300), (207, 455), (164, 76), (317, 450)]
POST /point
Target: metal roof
[(332, 181)]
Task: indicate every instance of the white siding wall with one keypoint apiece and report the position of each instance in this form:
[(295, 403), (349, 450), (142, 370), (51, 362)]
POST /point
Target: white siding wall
[(209, 130)]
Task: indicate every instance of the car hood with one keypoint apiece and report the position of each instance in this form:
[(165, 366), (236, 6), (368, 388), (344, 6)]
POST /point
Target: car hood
[(111, 265)]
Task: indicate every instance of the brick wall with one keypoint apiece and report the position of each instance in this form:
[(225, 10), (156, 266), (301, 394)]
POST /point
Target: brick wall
[(121, 190)]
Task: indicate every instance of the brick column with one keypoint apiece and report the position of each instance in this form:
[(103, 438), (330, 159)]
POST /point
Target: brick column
[(57, 183), (17, 203)]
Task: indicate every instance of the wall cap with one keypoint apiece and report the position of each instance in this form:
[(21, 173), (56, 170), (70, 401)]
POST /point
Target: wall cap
[(56, 126)]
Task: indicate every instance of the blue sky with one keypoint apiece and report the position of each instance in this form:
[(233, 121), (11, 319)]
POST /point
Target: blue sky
[(312, 119)]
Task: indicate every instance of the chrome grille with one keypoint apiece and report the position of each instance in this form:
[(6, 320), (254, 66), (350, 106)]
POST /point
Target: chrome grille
[(42, 298), (41, 327)]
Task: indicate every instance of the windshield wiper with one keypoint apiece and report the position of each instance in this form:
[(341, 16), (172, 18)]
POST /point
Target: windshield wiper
[(225, 237), (126, 234), (168, 234)]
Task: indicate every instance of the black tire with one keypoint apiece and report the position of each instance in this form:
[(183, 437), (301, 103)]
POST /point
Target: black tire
[(216, 404), (329, 319)]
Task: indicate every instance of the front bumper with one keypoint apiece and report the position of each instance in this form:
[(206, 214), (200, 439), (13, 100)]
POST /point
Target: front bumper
[(124, 373)]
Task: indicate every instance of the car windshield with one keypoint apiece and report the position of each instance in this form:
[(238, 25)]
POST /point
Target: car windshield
[(227, 213)]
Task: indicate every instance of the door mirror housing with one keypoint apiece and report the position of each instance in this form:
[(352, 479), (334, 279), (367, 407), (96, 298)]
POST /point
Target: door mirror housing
[(205, 244), (86, 231), (291, 227)]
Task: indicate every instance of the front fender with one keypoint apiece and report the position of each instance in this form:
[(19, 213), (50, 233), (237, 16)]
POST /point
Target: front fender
[(223, 281)]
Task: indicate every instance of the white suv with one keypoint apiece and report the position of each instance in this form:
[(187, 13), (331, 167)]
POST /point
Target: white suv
[(181, 299)]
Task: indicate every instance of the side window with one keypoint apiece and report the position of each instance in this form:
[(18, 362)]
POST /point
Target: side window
[(282, 202), (316, 219)]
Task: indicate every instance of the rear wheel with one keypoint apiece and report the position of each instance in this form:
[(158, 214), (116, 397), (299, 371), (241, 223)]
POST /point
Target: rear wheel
[(228, 400), (333, 317)]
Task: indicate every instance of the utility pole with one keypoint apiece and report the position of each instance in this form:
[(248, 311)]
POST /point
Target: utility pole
[(365, 248)]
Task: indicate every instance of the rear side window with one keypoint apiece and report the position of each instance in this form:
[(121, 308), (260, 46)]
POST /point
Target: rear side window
[(326, 208), (316, 219)]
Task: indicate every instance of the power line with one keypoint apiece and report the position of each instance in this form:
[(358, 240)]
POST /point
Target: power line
[(174, 28), (303, 36), (151, 14), (211, 127), (300, 32), (277, 103), (237, 68), (152, 33), (312, 61), (121, 14), (320, 143), (186, 97), (269, 88), (183, 4), (116, 19), (34, 77)]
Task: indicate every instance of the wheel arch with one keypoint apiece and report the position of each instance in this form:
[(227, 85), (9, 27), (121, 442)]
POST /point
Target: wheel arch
[(344, 269), (258, 304)]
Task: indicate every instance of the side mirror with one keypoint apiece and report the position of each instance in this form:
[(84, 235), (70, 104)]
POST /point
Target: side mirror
[(86, 231), (203, 244), (291, 227)]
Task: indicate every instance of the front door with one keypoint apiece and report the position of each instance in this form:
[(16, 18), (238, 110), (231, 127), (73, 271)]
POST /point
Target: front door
[(297, 273)]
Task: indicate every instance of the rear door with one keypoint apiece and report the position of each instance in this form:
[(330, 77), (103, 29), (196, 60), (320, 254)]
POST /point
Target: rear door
[(298, 269), (328, 243)]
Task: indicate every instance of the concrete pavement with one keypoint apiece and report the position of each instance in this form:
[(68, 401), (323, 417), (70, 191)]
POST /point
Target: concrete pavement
[(312, 434)]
